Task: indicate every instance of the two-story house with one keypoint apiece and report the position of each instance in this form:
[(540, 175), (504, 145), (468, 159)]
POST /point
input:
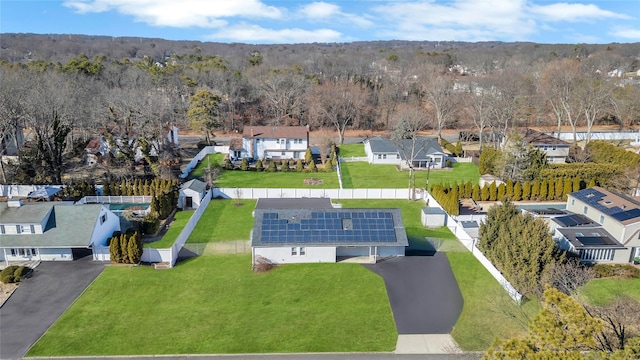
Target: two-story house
[(271, 142), (421, 152), (52, 231), (613, 233), (556, 150)]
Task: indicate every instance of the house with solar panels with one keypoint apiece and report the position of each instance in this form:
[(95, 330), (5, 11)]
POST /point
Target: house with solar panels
[(311, 230), (608, 229), (421, 152)]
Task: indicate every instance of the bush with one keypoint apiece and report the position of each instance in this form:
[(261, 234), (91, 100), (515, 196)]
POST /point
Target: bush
[(616, 270), (299, 166), (150, 224), (259, 166), (448, 163), (312, 167), (272, 167), (262, 264), (13, 274)]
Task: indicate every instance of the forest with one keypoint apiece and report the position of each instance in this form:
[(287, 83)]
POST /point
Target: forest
[(60, 91)]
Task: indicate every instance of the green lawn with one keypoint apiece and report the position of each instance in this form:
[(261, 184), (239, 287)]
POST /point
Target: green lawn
[(224, 220), (216, 304), (364, 175), (603, 291), (352, 150), (180, 220), (213, 160), (292, 179)]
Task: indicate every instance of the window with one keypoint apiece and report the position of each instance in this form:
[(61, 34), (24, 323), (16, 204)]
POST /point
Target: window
[(397, 156), (2, 231), (573, 201), (33, 251), (13, 252), (384, 156), (283, 153), (103, 219), (303, 251), (379, 156), (294, 251), (584, 211), (18, 229), (21, 252), (601, 219)]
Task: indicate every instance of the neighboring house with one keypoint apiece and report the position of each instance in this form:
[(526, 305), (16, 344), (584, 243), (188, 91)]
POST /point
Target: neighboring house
[(171, 132), (191, 194), (10, 143), (422, 152), (271, 142), (617, 214), (311, 231), (556, 150), (52, 231)]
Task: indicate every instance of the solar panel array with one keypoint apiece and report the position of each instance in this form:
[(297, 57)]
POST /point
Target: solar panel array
[(572, 220), (626, 215), (592, 197), (329, 227)]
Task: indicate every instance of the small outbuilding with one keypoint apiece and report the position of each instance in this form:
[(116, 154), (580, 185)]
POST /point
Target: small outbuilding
[(433, 217), (191, 194)]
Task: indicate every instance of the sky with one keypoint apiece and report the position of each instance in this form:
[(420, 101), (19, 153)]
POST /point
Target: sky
[(289, 21)]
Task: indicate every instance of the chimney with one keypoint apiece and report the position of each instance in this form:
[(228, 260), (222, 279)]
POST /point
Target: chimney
[(14, 203)]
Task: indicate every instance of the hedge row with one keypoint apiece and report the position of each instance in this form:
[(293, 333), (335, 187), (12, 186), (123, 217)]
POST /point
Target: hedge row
[(13, 274), (606, 153), (138, 187), (125, 248)]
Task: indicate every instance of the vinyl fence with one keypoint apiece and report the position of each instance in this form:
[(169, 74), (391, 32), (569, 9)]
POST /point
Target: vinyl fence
[(115, 200), (256, 193), (582, 135), (470, 243), (201, 155), (22, 190)]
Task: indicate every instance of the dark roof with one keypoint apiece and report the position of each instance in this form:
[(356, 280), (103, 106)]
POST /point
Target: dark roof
[(195, 185), (547, 211), (572, 220), (328, 227), (589, 237), (619, 207), (423, 147), (294, 203), (537, 138), (432, 211), (275, 132)]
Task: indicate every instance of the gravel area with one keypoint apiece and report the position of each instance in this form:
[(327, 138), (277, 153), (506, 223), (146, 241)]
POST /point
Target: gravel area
[(5, 291)]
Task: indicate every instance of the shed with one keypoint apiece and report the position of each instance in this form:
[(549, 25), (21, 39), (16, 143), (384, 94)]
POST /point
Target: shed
[(433, 217), (191, 194)]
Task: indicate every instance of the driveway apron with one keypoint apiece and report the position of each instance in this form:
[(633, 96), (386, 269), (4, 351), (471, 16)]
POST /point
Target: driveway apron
[(40, 300), (423, 293)]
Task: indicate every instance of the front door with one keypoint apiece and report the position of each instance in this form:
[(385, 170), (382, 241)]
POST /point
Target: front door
[(188, 202)]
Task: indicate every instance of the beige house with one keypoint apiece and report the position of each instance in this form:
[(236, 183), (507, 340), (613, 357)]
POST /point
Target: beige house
[(618, 215)]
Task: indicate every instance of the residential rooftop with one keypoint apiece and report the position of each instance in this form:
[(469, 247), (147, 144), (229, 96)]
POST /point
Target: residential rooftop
[(620, 207)]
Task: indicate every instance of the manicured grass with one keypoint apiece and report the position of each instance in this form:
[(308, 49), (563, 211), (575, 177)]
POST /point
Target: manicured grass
[(179, 221), (364, 175), (487, 310), (224, 220), (604, 291), (213, 160), (216, 304), (352, 150), (291, 179)]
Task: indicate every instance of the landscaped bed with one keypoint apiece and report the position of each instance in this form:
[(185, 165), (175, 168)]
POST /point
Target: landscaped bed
[(216, 304)]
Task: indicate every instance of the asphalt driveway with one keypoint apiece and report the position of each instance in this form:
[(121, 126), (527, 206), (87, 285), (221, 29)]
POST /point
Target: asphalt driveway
[(423, 293), (40, 300)]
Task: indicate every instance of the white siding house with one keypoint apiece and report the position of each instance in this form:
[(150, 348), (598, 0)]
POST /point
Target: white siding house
[(617, 214), (52, 231), (306, 235), (555, 149), (271, 142), (191, 194)]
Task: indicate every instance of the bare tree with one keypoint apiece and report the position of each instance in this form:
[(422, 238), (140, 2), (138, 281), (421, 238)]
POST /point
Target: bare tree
[(408, 121), (283, 93), (625, 103), (440, 100), (593, 97), (622, 323), (479, 107), (559, 83)]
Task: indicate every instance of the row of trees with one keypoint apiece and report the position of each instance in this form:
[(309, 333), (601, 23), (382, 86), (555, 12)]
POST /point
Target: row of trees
[(134, 99), (125, 248)]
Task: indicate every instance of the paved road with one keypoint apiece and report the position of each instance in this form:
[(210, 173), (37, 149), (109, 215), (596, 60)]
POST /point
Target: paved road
[(40, 300), (423, 293)]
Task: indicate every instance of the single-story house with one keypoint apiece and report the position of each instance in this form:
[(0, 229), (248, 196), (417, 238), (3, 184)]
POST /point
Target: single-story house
[(616, 213), (308, 232), (270, 142), (191, 194), (419, 153), (52, 231)]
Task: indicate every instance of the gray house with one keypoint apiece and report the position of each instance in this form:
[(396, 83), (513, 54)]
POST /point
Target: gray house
[(556, 150), (421, 152)]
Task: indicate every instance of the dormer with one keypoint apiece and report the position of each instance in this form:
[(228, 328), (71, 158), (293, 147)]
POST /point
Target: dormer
[(17, 218)]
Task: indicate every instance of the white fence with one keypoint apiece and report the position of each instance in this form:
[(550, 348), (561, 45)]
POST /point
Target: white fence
[(201, 155), (22, 190), (353, 159), (461, 159), (256, 193), (470, 244), (191, 224), (582, 135), (115, 200)]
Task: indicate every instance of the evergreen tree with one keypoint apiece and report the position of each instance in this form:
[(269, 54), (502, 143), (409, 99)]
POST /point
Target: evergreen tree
[(244, 164), (592, 183), (560, 188), (308, 156), (272, 166), (493, 191), (299, 166), (551, 192), (501, 192), (134, 248), (468, 190), (526, 190), (576, 184), (312, 166), (114, 249), (475, 193), (568, 186), (543, 190), (485, 195), (285, 166), (535, 190), (517, 192), (509, 189), (259, 166)]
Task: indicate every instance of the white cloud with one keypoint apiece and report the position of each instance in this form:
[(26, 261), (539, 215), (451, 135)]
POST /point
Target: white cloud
[(181, 14), (321, 11), (257, 34), (574, 12), (626, 33)]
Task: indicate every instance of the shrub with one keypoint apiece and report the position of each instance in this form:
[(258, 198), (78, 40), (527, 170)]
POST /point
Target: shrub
[(244, 165), (448, 163), (284, 167), (13, 274), (150, 224), (616, 270), (299, 166), (272, 167), (262, 264), (259, 166), (312, 167)]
